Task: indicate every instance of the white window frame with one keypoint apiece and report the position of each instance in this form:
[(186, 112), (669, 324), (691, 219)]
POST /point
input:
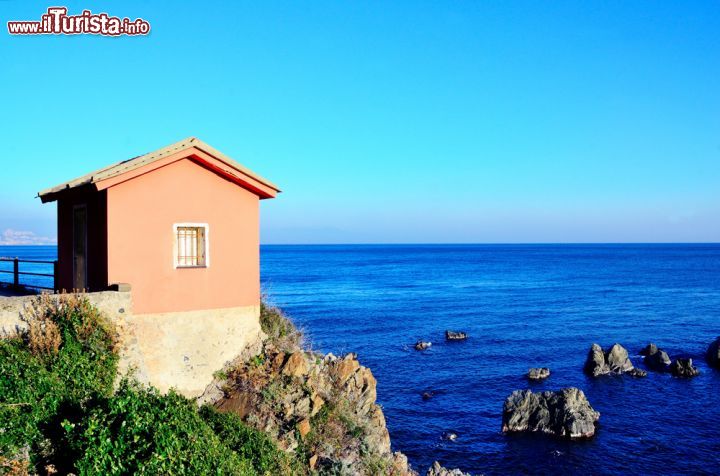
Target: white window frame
[(176, 263)]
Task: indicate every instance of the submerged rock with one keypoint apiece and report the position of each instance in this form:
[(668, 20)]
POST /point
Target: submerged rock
[(655, 358), (684, 368), (438, 470), (636, 372), (422, 345), (538, 373), (713, 354), (615, 361), (452, 335), (427, 395), (565, 413)]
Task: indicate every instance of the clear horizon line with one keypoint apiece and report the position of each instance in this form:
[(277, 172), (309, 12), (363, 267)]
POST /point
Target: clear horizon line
[(531, 243), (426, 243)]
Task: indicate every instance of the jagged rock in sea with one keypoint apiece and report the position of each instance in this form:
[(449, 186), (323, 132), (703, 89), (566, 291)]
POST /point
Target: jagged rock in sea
[(595, 364), (655, 358), (713, 354), (422, 345), (438, 470), (615, 360), (648, 349), (684, 368), (618, 360), (538, 373), (453, 335), (565, 413)]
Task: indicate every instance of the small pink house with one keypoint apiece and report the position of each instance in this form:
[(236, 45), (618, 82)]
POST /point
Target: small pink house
[(180, 226)]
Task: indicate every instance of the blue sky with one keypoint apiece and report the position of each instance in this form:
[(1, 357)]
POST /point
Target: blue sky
[(391, 121)]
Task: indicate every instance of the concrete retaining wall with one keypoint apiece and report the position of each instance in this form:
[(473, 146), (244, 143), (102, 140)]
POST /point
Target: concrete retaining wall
[(184, 349), (178, 350)]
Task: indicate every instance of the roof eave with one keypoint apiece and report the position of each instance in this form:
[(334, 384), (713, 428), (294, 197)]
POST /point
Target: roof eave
[(100, 175), (52, 194), (208, 149)]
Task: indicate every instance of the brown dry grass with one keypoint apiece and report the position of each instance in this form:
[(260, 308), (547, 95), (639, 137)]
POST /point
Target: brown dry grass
[(14, 467), (43, 335), (43, 315)]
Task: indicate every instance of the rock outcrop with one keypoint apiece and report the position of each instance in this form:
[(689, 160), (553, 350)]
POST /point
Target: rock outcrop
[(595, 364), (449, 436), (617, 359), (614, 361), (565, 413), (453, 335), (320, 404), (438, 470), (655, 358), (713, 354), (648, 349), (683, 368), (422, 345), (538, 373)]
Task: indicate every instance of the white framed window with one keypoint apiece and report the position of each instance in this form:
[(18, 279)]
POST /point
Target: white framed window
[(192, 245)]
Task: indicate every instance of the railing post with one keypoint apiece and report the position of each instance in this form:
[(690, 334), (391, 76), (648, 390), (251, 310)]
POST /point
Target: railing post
[(55, 276), (16, 273)]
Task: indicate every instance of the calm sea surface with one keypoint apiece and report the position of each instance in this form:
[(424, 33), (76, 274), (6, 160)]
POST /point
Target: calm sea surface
[(523, 306)]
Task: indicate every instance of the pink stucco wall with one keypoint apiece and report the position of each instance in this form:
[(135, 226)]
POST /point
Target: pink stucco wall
[(140, 238)]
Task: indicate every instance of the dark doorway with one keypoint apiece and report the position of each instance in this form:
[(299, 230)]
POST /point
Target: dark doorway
[(80, 247)]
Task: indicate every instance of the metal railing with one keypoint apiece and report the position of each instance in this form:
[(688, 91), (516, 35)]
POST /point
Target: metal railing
[(17, 282)]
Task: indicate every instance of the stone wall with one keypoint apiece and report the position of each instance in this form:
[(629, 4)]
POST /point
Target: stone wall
[(115, 305), (178, 350)]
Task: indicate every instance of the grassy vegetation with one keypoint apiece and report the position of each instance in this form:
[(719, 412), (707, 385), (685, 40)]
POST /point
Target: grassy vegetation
[(58, 409), (280, 330), (249, 443)]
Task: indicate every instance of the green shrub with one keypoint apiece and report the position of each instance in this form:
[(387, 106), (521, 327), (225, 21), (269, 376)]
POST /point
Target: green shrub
[(139, 431), (257, 360), (29, 395), (249, 443), (65, 359)]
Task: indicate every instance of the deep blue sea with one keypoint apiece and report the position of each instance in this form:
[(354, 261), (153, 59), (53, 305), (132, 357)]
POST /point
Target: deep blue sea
[(523, 306)]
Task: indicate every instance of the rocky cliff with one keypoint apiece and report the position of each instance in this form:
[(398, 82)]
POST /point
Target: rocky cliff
[(319, 408)]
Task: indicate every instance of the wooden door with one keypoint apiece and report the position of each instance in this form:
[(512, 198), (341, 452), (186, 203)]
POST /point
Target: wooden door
[(80, 247)]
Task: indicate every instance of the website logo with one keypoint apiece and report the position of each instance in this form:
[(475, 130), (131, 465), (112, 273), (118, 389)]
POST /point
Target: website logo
[(57, 22)]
